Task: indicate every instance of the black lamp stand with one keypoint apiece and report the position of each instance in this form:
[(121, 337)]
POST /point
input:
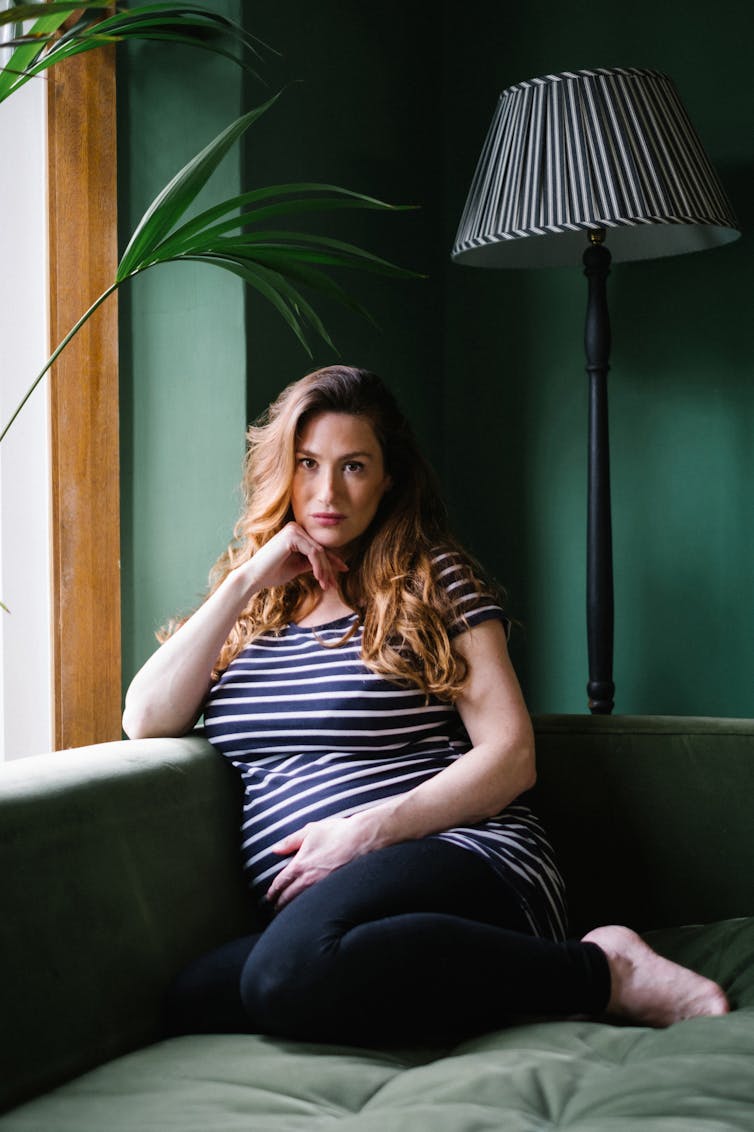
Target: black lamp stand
[(599, 571)]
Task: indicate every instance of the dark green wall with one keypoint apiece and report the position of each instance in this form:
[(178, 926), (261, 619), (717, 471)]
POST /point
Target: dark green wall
[(488, 364), (361, 113)]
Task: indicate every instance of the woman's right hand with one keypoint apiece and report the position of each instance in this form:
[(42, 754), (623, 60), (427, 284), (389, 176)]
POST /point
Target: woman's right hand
[(292, 552)]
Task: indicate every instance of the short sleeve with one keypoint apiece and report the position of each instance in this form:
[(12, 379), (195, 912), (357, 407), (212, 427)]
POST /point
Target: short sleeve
[(470, 601)]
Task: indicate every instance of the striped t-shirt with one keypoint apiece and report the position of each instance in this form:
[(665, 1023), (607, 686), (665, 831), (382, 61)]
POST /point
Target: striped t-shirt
[(316, 734)]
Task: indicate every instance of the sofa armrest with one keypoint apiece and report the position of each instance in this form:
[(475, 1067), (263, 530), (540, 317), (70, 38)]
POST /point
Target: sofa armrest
[(118, 863)]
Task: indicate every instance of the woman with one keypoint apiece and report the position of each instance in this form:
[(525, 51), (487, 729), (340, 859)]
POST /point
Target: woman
[(352, 666)]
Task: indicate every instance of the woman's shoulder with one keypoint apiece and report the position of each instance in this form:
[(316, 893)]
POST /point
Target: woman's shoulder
[(456, 571), (470, 597)]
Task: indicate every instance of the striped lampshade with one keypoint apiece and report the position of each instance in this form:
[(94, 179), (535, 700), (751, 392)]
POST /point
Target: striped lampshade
[(610, 148)]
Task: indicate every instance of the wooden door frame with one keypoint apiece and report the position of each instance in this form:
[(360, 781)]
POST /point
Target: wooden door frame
[(84, 416)]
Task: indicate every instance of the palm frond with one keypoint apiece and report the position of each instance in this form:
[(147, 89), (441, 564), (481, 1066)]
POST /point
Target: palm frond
[(14, 73), (310, 248), (276, 263), (170, 205), (287, 300), (21, 13), (44, 44), (252, 208)]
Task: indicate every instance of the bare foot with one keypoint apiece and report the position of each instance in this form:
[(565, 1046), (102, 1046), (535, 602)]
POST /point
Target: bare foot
[(648, 989)]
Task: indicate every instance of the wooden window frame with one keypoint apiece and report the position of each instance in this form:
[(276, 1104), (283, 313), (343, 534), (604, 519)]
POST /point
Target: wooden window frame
[(84, 410)]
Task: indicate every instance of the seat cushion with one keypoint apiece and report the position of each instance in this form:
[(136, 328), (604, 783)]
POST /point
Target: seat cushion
[(587, 1076)]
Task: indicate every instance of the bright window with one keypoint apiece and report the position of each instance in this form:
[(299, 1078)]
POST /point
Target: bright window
[(25, 663)]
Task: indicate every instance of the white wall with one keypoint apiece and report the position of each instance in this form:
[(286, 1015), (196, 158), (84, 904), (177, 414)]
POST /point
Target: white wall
[(25, 660)]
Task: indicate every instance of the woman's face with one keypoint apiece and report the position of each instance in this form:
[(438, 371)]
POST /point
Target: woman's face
[(339, 478)]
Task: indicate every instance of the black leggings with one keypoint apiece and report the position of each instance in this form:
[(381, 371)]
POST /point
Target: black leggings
[(421, 941)]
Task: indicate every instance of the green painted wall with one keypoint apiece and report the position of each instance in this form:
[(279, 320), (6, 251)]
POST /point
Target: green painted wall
[(488, 364), (183, 367)]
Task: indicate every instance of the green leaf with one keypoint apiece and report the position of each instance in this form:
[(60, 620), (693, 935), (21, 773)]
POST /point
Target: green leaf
[(44, 45), (293, 254), (56, 354), (16, 71), (296, 299), (20, 13), (336, 251), (175, 198), (270, 285), (187, 16), (275, 287), (313, 278), (195, 234)]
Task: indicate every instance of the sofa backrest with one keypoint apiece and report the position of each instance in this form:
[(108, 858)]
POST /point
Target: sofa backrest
[(652, 817), (118, 864)]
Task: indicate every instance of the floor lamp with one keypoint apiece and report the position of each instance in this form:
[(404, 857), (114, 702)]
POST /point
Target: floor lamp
[(573, 162)]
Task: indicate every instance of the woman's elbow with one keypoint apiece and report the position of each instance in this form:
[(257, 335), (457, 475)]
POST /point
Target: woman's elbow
[(529, 763), (135, 724), (524, 776), (142, 723), (529, 777)]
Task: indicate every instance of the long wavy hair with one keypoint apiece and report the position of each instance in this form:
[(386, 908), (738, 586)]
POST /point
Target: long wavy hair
[(391, 583)]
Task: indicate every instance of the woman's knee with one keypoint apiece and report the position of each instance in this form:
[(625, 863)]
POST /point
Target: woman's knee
[(290, 983), (280, 997)]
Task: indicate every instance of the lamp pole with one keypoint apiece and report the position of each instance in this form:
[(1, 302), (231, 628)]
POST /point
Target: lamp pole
[(599, 573)]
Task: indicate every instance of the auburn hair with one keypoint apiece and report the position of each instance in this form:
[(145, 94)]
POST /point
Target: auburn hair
[(392, 581)]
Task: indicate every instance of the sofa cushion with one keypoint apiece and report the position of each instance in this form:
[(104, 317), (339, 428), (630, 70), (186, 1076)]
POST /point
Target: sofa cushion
[(581, 1075)]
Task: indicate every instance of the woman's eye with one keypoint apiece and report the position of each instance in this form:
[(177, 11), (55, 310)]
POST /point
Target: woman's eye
[(354, 466), (306, 462)]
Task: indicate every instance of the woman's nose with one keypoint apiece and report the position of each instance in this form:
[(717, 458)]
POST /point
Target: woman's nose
[(327, 486)]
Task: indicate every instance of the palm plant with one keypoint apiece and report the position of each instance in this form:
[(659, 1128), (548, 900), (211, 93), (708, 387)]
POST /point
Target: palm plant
[(231, 235), (47, 41)]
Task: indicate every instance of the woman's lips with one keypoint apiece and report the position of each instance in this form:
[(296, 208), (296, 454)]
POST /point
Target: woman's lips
[(328, 518)]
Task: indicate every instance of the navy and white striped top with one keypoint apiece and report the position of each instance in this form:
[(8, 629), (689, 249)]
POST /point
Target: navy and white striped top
[(316, 734)]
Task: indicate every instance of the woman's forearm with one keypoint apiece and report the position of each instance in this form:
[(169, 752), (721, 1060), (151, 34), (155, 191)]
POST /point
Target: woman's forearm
[(478, 785), (166, 695), (499, 766)]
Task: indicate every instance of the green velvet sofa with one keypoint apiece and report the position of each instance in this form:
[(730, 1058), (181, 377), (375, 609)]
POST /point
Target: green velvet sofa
[(118, 863)]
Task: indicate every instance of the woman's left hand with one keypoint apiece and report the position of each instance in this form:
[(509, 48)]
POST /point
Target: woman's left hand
[(318, 849)]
